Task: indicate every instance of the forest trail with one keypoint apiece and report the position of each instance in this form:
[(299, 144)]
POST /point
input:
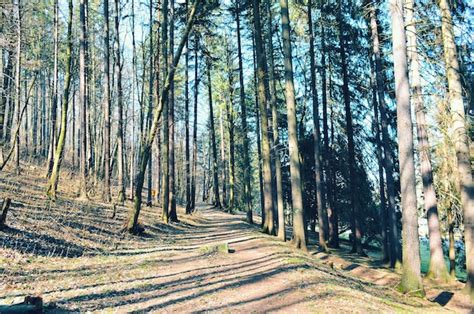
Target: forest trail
[(75, 256)]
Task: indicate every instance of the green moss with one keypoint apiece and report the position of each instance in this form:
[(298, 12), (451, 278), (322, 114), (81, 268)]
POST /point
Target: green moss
[(295, 260), (411, 284), (217, 248)]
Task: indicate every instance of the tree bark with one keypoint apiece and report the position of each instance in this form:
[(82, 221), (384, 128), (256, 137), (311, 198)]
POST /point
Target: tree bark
[(243, 113), (333, 227), (395, 252), (411, 274), (195, 143), (230, 125), (268, 226), (437, 267), (54, 100), (106, 192), (356, 228), (18, 85), (120, 137), (379, 153), (59, 152), (6, 95), (460, 138), (215, 170), (186, 124), (83, 96), (321, 202), (164, 123), (299, 232), (172, 201), (275, 136)]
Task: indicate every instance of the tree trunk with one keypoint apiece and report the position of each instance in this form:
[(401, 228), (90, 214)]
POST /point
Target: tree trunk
[(195, 143), (172, 201), (216, 202), (120, 137), (333, 228), (146, 150), (186, 124), (460, 139), (6, 94), (356, 230), (151, 79), (106, 192), (243, 113), (299, 232), (268, 226), (275, 136), (223, 166), (411, 274), (164, 123), (379, 152), (231, 127), (437, 267), (83, 97), (59, 152), (321, 202), (18, 85), (395, 253), (54, 100)]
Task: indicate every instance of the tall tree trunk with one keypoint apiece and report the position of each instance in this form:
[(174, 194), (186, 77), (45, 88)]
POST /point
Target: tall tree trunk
[(411, 274), (216, 202), (195, 143), (172, 202), (151, 79), (395, 252), (379, 153), (83, 96), (164, 123), (34, 121), (120, 137), (262, 72), (223, 166), (134, 90), (276, 135), (259, 141), (106, 192), (299, 232), (186, 124), (146, 149), (59, 152), (6, 94), (356, 228), (321, 202), (243, 115), (54, 101), (333, 227), (230, 123), (18, 84), (437, 267), (460, 138)]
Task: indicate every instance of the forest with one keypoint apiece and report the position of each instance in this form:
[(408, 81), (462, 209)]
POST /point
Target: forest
[(236, 156)]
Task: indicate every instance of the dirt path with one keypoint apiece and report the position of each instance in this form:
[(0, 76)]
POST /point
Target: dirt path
[(172, 268)]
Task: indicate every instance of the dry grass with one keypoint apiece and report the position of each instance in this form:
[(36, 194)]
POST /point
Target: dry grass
[(76, 257)]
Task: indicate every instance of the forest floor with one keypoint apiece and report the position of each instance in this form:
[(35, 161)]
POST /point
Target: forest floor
[(74, 255)]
